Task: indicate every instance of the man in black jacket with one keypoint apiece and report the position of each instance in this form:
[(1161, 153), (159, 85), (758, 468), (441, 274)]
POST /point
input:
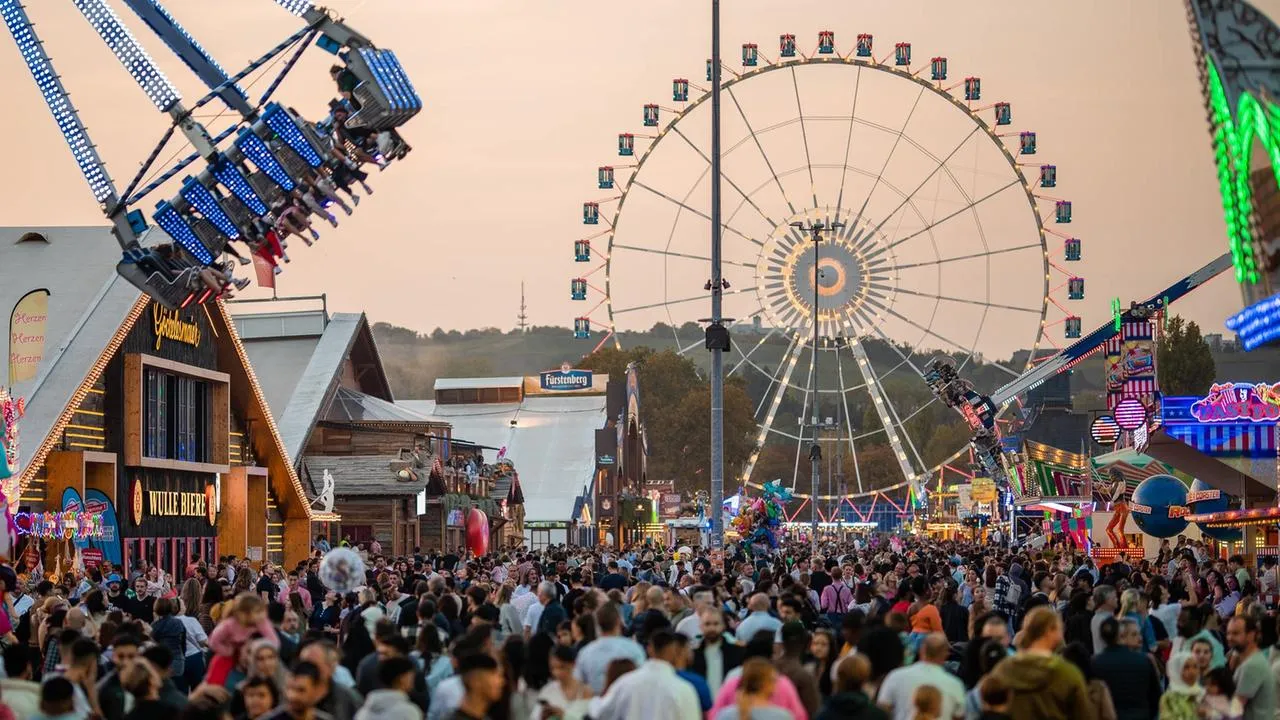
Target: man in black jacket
[(1129, 674), (389, 644), (715, 658), (111, 696)]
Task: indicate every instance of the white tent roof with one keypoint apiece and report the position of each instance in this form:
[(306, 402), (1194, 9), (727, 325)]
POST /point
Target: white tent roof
[(552, 443)]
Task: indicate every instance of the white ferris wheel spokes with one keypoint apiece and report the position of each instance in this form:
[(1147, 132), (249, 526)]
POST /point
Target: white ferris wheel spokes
[(939, 245)]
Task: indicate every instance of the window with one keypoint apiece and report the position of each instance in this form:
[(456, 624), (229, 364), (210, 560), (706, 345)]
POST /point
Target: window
[(177, 417)]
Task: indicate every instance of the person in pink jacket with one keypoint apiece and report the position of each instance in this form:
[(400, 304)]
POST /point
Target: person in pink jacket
[(784, 696), (292, 585), (248, 619)]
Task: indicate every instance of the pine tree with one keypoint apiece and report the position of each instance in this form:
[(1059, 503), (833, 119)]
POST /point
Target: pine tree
[(1184, 362)]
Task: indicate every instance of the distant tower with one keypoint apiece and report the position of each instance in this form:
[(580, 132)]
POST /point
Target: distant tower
[(523, 317)]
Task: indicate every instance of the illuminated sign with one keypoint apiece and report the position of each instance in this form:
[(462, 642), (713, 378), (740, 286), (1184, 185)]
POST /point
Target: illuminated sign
[(565, 379), (169, 325), (66, 525), (1231, 402), (172, 503), (1197, 495)]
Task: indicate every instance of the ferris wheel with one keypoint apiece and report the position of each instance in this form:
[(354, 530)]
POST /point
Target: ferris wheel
[(936, 230)]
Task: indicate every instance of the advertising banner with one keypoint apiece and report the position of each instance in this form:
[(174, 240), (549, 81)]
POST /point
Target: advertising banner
[(96, 501), (671, 504), (26, 335)]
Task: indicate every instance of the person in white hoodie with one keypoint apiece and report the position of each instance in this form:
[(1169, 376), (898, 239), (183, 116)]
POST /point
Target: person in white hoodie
[(392, 702)]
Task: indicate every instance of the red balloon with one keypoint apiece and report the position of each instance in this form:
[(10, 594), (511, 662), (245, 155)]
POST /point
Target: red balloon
[(477, 525)]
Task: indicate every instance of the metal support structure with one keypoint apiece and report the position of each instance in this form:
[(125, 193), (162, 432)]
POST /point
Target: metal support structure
[(814, 231), (815, 451), (717, 354), (55, 96)]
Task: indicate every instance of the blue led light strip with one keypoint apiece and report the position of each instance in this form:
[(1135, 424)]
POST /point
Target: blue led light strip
[(207, 205), (230, 177), (257, 151), (1257, 324), (130, 54), (170, 220), (283, 125), (55, 96)]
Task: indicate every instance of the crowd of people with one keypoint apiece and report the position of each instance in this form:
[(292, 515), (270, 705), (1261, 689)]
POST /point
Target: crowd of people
[(885, 627)]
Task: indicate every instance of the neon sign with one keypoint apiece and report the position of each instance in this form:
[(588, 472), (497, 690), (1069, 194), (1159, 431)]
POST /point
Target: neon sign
[(66, 525), (1231, 402)]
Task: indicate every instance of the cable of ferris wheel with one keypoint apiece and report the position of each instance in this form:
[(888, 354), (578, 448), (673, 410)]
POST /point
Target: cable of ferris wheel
[(804, 412), (732, 184), (746, 356), (695, 298), (958, 258), (874, 380), (898, 139), (670, 253), (941, 164), (929, 331), (966, 208), (848, 421), (848, 145), (804, 135), (695, 211), (968, 302), (763, 154)]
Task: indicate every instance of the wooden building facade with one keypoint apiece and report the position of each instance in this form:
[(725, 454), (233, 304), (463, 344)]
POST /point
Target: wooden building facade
[(165, 449), (360, 454)]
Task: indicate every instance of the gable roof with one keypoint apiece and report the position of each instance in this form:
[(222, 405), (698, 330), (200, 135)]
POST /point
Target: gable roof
[(364, 474), (86, 329), (320, 379), (353, 406)]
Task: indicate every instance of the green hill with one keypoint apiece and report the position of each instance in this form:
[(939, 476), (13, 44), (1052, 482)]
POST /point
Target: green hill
[(414, 360)]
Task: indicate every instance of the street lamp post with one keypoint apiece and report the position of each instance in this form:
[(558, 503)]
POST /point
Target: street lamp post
[(815, 231), (717, 338)]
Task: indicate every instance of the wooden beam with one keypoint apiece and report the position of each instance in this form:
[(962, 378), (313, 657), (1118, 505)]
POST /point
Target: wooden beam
[(233, 515), (133, 421), (220, 424), (166, 464), (182, 368)]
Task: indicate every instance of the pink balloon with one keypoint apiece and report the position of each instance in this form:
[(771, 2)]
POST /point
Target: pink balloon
[(477, 526)]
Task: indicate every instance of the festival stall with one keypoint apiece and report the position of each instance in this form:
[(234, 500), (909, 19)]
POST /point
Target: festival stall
[(148, 439)]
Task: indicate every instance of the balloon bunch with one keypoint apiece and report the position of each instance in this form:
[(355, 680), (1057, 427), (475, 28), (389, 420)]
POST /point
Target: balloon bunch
[(758, 519)]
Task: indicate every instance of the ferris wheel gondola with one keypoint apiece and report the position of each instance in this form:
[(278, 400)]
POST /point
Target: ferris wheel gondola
[(893, 274)]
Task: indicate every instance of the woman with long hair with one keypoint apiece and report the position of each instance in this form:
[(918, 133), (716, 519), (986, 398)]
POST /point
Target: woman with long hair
[(822, 650), (754, 691), (197, 638), (433, 661), (509, 621), (210, 601)]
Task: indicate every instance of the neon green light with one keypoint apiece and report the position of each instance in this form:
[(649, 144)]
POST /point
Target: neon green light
[(1233, 137), (1117, 316)]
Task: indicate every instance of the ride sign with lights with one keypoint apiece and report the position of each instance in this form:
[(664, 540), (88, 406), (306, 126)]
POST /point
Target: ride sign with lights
[(1235, 402)]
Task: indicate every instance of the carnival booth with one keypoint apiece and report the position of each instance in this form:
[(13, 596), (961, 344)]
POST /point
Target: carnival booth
[(148, 439)]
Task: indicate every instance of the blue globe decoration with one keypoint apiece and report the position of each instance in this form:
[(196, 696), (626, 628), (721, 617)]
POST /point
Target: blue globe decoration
[(1218, 504), (1159, 492)]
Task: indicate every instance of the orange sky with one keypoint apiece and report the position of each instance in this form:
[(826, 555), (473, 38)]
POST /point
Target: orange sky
[(524, 100)]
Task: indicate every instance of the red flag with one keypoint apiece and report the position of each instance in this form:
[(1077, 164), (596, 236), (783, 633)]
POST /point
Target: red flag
[(266, 271)]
